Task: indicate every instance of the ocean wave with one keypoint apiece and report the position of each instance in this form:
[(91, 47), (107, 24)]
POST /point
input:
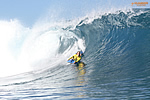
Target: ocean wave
[(115, 45)]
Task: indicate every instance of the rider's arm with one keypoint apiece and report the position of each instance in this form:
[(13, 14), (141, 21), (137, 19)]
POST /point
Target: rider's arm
[(71, 57)]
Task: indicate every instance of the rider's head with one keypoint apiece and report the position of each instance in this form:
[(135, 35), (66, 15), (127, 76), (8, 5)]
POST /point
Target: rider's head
[(78, 53)]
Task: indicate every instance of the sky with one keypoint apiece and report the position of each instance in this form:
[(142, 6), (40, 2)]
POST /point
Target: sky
[(30, 11)]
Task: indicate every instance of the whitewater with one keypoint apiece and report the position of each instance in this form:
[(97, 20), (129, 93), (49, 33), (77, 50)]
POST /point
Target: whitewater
[(116, 53)]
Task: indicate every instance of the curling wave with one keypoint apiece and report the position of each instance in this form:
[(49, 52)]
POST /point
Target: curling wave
[(116, 52)]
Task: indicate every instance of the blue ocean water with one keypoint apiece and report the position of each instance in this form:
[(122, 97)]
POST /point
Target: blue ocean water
[(116, 53)]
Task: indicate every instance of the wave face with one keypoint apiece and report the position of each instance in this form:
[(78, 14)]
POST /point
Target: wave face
[(116, 53)]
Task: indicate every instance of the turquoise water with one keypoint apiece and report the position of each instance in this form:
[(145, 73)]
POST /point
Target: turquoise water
[(116, 53)]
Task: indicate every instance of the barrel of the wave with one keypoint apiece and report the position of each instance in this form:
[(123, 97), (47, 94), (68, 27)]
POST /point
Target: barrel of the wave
[(76, 58)]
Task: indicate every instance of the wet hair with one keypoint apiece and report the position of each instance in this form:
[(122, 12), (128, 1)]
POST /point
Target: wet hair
[(79, 53)]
